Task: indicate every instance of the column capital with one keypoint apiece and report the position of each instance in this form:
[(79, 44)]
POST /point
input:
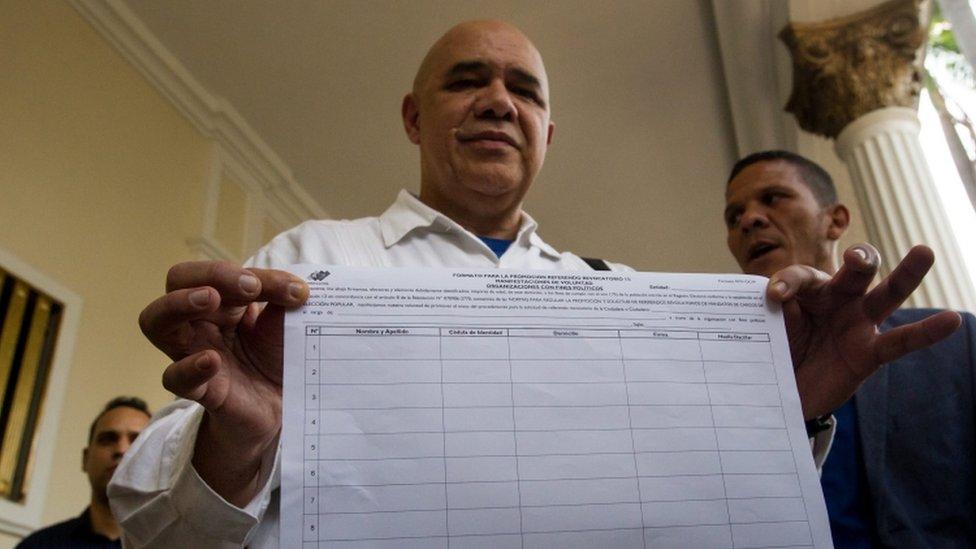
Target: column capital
[(846, 67)]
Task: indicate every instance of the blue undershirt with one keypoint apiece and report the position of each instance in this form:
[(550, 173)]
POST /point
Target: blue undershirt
[(497, 245), (845, 486)]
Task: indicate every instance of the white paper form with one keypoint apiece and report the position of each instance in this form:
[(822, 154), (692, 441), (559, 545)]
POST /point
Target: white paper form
[(523, 409)]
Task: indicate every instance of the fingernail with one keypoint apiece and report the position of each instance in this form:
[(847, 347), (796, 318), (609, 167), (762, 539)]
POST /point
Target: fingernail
[(780, 287), (296, 290), (862, 253), (200, 298), (249, 283), (203, 363)]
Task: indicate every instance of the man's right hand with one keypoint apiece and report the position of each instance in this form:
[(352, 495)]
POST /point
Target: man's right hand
[(222, 324)]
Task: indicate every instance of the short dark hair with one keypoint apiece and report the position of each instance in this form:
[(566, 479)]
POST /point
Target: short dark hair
[(813, 176), (119, 402)]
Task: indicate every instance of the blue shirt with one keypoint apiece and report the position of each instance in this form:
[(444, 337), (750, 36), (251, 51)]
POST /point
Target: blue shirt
[(845, 486), (497, 245)]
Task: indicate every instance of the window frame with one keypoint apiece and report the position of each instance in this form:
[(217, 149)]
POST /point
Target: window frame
[(21, 518)]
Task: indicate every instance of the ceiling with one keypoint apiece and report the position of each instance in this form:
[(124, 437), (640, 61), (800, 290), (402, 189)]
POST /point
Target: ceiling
[(638, 96)]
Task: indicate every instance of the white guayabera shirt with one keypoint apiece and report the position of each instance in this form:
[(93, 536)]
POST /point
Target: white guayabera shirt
[(157, 495)]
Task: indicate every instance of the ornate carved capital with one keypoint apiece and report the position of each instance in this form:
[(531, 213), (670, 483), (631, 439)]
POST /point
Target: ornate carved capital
[(847, 67)]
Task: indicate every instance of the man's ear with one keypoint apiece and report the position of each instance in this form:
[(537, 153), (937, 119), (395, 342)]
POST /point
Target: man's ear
[(840, 219), (411, 118), (552, 128)]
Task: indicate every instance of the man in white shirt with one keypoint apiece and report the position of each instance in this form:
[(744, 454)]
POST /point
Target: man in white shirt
[(479, 112)]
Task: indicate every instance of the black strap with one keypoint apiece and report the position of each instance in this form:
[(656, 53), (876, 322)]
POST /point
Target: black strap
[(817, 425), (596, 264)]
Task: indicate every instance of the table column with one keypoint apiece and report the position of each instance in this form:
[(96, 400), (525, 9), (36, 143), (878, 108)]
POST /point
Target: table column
[(752, 440), (682, 493), (575, 451), (313, 400), (381, 458), (479, 439)]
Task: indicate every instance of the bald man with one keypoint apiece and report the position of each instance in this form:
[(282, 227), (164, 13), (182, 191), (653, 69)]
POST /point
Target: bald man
[(204, 472)]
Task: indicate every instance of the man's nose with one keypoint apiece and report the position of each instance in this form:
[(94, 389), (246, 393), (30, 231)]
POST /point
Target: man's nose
[(122, 446), (754, 217), (495, 101)]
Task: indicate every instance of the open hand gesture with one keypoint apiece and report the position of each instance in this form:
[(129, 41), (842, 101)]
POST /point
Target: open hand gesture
[(832, 323)]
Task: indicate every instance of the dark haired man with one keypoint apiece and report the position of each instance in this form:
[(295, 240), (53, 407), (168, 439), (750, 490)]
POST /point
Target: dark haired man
[(901, 471), (110, 435)]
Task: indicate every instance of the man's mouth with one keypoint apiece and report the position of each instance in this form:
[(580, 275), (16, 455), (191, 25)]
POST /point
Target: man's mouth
[(488, 137), (760, 249)]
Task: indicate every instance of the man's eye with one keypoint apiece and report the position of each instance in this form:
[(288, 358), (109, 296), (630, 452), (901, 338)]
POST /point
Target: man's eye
[(462, 84), (527, 93)]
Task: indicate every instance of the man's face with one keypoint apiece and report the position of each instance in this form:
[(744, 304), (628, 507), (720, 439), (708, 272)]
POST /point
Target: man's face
[(480, 113), (114, 433), (774, 220)]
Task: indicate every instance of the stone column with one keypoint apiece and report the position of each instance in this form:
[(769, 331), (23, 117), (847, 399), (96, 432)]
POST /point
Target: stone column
[(899, 200), (856, 79)]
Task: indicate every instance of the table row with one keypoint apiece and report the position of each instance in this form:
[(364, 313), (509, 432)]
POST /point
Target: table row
[(534, 371), (538, 443), (695, 472), (396, 348), (702, 523), (538, 418), (558, 493), (572, 333), (472, 395), (672, 537)]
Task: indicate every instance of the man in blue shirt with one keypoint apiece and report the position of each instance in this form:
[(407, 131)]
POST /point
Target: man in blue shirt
[(901, 471)]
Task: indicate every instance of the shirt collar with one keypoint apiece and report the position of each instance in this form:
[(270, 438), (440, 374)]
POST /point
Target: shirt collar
[(408, 213), (83, 526), (83, 523), (527, 234)]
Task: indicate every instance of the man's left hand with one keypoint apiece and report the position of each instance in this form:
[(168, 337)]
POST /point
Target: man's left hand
[(832, 323)]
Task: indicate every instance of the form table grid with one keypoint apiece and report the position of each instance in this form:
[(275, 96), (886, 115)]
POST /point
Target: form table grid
[(614, 437)]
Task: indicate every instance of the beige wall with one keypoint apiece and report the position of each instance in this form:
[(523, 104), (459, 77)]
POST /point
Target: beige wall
[(102, 182)]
